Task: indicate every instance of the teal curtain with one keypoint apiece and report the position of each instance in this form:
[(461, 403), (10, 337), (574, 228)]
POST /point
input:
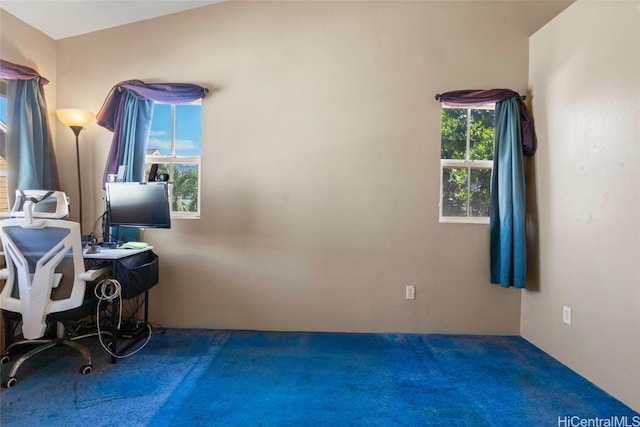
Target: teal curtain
[(136, 125), (507, 214), (30, 153)]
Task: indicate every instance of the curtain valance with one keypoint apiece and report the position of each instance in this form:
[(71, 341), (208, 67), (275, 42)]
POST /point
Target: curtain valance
[(474, 98), (171, 93), (11, 71)]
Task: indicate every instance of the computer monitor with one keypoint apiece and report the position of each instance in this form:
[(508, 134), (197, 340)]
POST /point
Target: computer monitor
[(138, 204)]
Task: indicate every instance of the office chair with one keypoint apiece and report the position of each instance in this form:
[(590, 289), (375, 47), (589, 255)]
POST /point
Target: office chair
[(45, 283)]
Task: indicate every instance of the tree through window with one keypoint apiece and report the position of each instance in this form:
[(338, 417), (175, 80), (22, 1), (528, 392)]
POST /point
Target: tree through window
[(467, 140)]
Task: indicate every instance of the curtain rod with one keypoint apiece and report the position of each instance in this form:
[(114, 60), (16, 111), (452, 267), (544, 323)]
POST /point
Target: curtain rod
[(438, 96)]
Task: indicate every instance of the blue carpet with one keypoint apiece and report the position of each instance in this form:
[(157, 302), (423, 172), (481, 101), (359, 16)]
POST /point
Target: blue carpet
[(223, 378)]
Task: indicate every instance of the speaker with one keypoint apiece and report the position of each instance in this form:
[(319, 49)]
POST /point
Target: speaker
[(153, 172)]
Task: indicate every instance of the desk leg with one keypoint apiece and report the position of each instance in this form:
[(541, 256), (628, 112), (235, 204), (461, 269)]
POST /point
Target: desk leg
[(115, 309), (146, 308)]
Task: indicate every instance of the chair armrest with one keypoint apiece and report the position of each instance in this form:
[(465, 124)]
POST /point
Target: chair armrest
[(4, 274), (93, 275)]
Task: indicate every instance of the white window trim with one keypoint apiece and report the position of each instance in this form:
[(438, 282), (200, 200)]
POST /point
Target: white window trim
[(465, 163), (170, 159)]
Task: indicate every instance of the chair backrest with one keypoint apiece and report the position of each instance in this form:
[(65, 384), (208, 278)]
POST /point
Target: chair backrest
[(50, 204), (40, 254)]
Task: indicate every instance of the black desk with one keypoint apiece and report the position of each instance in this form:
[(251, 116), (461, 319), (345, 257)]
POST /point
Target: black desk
[(116, 257)]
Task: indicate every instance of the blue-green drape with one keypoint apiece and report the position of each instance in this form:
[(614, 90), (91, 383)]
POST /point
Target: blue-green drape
[(30, 153), (507, 214), (136, 124), (28, 147)]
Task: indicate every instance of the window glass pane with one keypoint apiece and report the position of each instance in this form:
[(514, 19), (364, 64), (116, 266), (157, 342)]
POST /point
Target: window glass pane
[(4, 200), (160, 136), (454, 191), (3, 109), (3, 125), (188, 129), (453, 133), (481, 135), (479, 198), (185, 187)]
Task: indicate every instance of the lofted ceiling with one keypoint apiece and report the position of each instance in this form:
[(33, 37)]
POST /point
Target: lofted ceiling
[(66, 18)]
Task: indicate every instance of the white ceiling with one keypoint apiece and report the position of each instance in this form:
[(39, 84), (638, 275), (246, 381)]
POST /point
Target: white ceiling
[(65, 18)]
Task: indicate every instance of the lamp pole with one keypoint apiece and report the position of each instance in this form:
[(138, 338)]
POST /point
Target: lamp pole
[(76, 131), (77, 120)]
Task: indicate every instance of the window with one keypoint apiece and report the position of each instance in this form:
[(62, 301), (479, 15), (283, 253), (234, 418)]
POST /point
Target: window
[(175, 145), (4, 199), (467, 140)]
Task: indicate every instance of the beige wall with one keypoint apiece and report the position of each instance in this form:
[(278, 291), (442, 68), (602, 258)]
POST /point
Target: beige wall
[(321, 153), (23, 44), (585, 80)]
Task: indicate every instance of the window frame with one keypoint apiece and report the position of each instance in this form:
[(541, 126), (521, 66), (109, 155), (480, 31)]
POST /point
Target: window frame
[(171, 159), (467, 164)]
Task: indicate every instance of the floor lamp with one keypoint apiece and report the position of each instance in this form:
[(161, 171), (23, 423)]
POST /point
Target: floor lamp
[(76, 120)]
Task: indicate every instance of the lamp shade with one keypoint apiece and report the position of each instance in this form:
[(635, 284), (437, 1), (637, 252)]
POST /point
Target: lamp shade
[(74, 117)]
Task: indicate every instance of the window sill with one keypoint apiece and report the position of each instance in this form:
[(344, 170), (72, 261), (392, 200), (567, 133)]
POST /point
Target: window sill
[(177, 217), (464, 220)]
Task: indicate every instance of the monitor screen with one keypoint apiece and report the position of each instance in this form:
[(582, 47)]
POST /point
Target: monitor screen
[(138, 204)]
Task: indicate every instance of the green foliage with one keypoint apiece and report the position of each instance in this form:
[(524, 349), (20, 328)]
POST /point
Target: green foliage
[(454, 133), (480, 197), (481, 133), (185, 189), (454, 192)]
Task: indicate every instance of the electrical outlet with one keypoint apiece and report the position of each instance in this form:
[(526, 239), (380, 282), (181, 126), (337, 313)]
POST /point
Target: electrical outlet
[(566, 314), (410, 292)]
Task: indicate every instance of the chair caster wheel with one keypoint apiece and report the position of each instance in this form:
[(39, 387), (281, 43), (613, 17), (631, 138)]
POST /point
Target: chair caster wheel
[(5, 359), (10, 382), (85, 369)]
